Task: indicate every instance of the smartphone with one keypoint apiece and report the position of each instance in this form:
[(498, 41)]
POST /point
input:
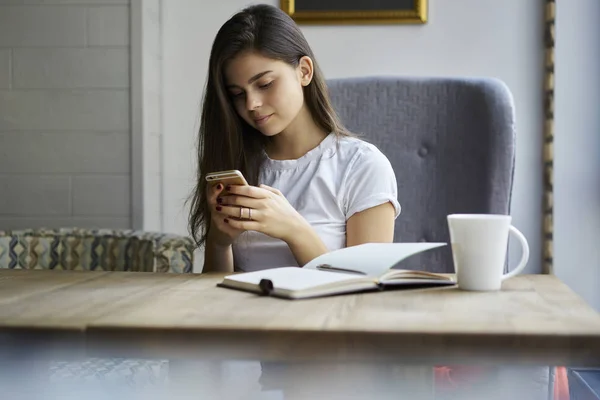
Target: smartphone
[(233, 177)]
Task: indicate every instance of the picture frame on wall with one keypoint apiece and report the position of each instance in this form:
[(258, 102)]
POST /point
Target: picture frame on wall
[(338, 12)]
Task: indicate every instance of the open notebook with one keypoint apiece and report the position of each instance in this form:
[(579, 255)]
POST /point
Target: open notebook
[(352, 269)]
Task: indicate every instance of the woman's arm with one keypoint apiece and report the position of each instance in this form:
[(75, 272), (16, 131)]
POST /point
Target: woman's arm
[(217, 257), (270, 213), (305, 244), (373, 225)]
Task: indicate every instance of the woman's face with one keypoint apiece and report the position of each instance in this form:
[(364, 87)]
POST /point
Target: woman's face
[(267, 93)]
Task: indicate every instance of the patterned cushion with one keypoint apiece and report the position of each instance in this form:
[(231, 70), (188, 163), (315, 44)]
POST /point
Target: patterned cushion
[(102, 249)]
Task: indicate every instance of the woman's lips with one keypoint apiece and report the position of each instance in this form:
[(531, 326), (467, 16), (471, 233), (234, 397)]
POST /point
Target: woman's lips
[(262, 120)]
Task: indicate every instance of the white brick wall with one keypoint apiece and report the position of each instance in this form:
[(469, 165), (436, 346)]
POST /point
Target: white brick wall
[(65, 141)]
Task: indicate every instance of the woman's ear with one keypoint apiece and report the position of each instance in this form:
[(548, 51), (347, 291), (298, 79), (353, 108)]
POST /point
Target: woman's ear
[(305, 68)]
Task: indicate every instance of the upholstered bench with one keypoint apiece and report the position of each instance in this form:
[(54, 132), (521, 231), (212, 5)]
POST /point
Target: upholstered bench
[(101, 249)]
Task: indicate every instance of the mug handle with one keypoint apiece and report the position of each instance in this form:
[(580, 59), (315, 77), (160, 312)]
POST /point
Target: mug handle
[(524, 256)]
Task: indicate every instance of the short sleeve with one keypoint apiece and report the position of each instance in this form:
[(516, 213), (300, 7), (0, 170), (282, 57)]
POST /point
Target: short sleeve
[(370, 181)]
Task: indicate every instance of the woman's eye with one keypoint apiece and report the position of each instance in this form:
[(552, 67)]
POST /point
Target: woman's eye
[(266, 85), (237, 95)]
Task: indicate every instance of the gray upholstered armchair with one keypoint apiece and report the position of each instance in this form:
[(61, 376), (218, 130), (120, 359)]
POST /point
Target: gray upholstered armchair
[(451, 142)]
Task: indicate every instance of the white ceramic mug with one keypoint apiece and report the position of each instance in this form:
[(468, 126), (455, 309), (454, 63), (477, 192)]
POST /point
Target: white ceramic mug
[(479, 244)]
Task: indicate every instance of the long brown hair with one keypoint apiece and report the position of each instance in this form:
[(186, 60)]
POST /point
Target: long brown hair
[(225, 140)]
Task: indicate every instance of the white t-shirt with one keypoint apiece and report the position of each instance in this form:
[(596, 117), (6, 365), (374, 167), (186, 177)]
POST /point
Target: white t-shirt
[(327, 185)]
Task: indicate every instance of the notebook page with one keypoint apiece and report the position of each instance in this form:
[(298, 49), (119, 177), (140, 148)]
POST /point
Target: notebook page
[(374, 259), (293, 278)]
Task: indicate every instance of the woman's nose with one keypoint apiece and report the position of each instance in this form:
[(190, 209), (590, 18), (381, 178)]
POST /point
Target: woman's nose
[(253, 102)]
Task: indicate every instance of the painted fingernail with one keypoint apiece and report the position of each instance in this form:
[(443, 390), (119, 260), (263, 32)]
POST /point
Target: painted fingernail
[(219, 208), (226, 220), (219, 200), (219, 186)]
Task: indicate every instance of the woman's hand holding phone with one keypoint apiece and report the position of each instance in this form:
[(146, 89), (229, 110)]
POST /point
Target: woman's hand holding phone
[(262, 209), (237, 207), (222, 233)]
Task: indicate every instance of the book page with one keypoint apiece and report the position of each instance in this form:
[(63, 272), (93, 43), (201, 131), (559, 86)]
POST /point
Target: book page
[(373, 259), (398, 274), (293, 278)]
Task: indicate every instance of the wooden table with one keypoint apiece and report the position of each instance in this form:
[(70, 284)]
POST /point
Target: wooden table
[(534, 320)]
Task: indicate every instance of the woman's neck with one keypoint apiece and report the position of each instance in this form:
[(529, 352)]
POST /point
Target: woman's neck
[(301, 136)]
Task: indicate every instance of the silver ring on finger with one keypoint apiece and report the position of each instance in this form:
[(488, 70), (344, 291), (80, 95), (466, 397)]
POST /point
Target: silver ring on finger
[(249, 213)]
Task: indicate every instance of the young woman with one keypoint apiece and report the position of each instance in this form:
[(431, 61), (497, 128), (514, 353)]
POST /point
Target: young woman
[(313, 187)]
